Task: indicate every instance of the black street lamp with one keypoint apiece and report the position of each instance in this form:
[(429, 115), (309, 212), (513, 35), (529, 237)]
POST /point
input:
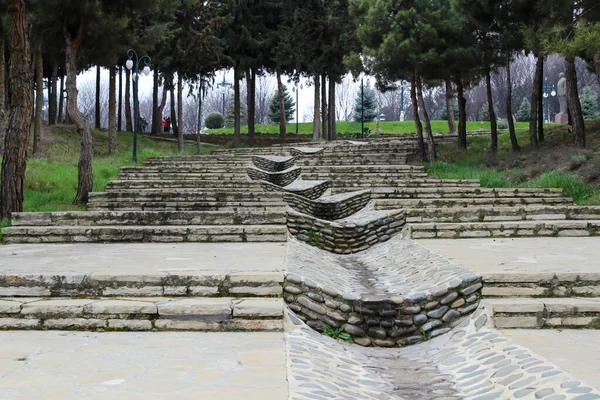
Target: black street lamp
[(362, 107), (224, 86), (548, 91), (134, 61)]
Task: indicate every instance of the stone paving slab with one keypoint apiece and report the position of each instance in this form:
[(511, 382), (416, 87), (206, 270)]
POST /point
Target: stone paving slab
[(158, 259), (76, 365), (523, 255), (575, 351)]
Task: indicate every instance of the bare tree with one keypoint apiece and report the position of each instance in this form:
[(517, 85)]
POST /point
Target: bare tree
[(345, 99)]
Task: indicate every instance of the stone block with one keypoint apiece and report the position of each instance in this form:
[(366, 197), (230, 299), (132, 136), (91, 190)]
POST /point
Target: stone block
[(57, 307), (24, 291), (218, 307), (133, 291), (19, 323), (256, 277), (517, 306), (258, 308), (74, 323), (10, 307), (130, 324), (203, 290), (270, 290), (517, 322), (253, 325), (512, 291), (177, 325), (121, 307)]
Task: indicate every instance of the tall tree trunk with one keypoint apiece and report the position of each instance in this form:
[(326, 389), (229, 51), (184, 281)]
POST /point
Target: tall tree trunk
[(332, 124), (574, 103), (199, 128), (120, 96), (161, 106), (535, 96), (541, 101), (180, 146), (97, 123), (450, 106), (324, 131), (429, 142), (61, 100), (462, 114), (237, 106), (316, 113), (173, 107), (20, 77), (156, 117), (112, 110), (251, 100), (597, 66), (2, 92), (128, 117), (52, 106), (282, 119), (86, 177), (509, 109), (39, 101), (417, 119), (491, 112)]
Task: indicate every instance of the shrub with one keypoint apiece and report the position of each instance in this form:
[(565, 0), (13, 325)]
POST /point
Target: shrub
[(524, 111), (577, 161), (214, 120), (503, 124)]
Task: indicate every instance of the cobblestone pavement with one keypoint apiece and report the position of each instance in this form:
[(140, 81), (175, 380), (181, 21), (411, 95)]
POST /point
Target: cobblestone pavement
[(472, 362), (576, 351), (564, 255), (120, 365), (140, 259)]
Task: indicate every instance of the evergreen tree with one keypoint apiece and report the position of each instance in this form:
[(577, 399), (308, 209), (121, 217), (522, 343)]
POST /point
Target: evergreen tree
[(288, 105), (589, 104), (524, 111), (444, 114), (230, 114), (368, 102)]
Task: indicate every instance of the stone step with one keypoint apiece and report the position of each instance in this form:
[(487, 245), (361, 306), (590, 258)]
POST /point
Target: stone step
[(185, 195), (159, 233), (505, 229), (321, 161), (362, 169), (184, 183), (230, 206), (344, 176), (541, 284), (459, 191), (519, 313), (391, 204), (491, 214), (201, 283), (184, 176), (342, 186), (158, 314), (99, 218)]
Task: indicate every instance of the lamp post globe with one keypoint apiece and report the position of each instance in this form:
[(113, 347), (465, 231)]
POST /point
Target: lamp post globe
[(133, 64)]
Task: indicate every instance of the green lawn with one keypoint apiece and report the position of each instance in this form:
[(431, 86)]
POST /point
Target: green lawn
[(51, 179), (354, 127), (550, 166)]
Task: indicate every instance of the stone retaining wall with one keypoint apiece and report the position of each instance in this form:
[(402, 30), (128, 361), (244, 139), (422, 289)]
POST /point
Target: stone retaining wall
[(330, 208), (273, 163), (309, 189), (282, 178), (345, 236)]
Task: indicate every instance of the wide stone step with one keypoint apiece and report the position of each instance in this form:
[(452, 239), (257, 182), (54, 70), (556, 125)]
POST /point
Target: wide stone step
[(459, 191), (183, 169), (363, 169), (512, 213), (520, 313), (185, 183), (185, 195), (541, 284), (184, 176), (99, 218), (505, 229), (113, 233), (342, 186), (230, 206), (172, 283), (322, 161), (344, 176), (158, 314), (390, 204)]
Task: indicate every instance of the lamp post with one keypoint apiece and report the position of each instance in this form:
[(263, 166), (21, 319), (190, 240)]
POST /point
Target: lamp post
[(295, 89), (548, 91), (362, 108), (402, 87), (224, 86), (134, 63)]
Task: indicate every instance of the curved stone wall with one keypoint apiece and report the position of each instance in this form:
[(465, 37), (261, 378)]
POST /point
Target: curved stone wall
[(397, 293), (332, 207), (273, 163), (280, 178), (309, 189)]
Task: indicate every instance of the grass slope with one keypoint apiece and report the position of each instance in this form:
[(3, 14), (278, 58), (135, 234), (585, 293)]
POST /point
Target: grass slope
[(51, 178), (354, 127), (556, 164)]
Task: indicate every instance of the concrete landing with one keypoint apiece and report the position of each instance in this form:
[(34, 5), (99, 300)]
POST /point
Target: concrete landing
[(140, 259), (529, 255), (121, 365)]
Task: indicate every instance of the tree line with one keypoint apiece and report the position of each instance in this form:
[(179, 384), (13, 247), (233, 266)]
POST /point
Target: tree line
[(449, 43)]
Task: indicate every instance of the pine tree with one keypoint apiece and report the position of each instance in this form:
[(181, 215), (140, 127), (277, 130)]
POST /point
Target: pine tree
[(230, 115), (367, 101), (589, 104), (524, 111), (288, 105), (444, 114)]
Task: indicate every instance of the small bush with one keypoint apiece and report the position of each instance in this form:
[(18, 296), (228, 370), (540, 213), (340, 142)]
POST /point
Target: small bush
[(502, 124), (5, 223), (214, 120), (577, 161)]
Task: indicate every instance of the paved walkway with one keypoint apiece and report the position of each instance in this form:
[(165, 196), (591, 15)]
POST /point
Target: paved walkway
[(564, 255), (120, 365), (575, 351), (138, 259)]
